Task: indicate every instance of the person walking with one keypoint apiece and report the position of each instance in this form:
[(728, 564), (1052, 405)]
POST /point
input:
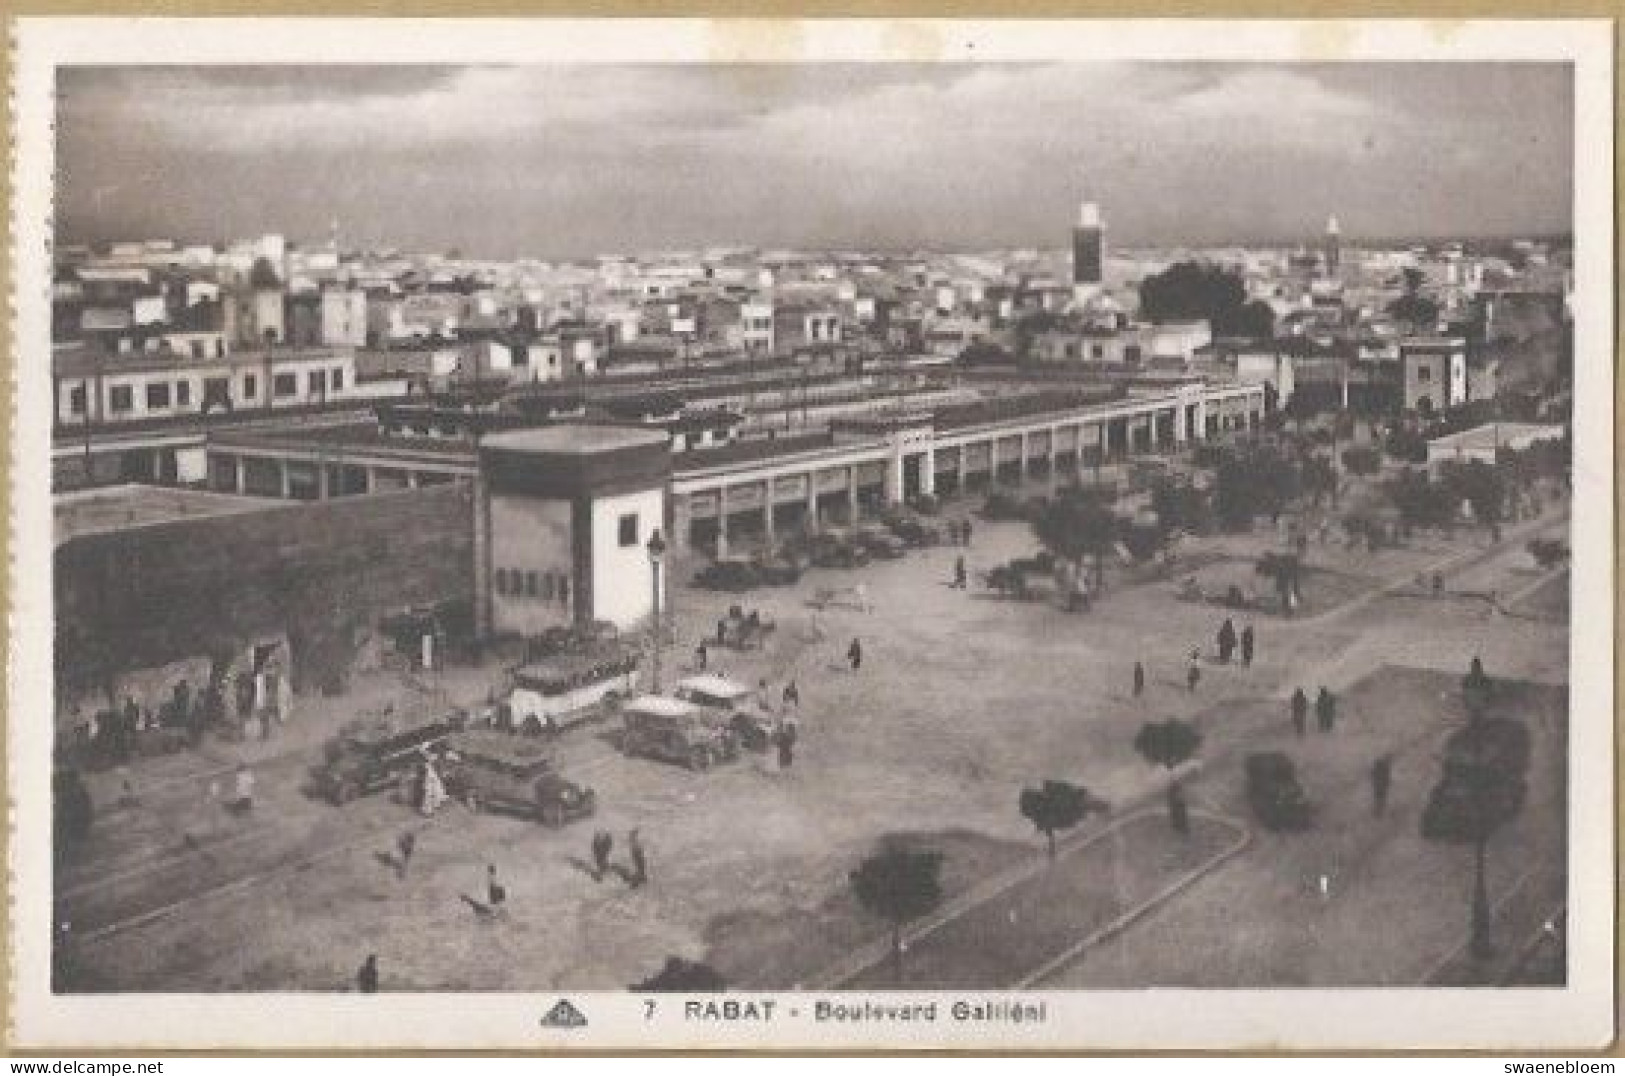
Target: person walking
[(1300, 712), (1139, 679), (854, 655), (602, 845), (1193, 674), (1227, 640), (959, 573), (1325, 710), (787, 744), (405, 845), (702, 656), (366, 979), (1382, 778), (640, 859), (791, 695), (967, 532), (1179, 815), (1247, 641), (722, 632)]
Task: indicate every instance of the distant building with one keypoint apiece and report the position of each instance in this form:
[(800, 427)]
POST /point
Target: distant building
[(1088, 252), (1481, 443), (1435, 373), (344, 317)]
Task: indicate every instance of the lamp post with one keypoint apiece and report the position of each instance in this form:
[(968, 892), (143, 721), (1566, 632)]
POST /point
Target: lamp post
[(657, 550)]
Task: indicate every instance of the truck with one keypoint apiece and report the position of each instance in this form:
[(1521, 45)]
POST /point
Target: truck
[(494, 771), (377, 752)]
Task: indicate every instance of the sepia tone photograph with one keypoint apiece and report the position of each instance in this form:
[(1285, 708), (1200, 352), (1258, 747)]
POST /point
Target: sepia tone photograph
[(933, 538)]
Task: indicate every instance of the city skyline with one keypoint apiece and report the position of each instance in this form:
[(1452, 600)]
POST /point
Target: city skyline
[(690, 156)]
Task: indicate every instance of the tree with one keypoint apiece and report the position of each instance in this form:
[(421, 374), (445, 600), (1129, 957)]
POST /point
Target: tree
[(682, 977), (1181, 506), (1254, 320), (1258, 481), (1420, 501), (1168, 744), (1480, 789), (1057, 805), (1198, 291), (1076, 523), (1285, 570), (1412, 306), (1362, 460), (1477, 483), (899, 885), (1319, 478)]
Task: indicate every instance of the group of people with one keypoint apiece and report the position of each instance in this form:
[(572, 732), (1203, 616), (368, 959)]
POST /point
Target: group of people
[(1325, 711), (603, 847), (1228, 640)]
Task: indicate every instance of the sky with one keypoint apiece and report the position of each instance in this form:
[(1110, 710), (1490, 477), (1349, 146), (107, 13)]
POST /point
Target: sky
[(563, 161)]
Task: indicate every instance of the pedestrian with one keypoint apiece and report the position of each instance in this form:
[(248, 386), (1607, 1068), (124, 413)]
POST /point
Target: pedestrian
[(366, 980), (959, 573), (967, 532), (1300, 712), (602, 845), (1179, 815), (792, 695), (1325, 710), (640, 859), (701, 656), (1247, 641), (787, 745), (854, 655), (1382, 778), (496, 894), (405, 845), (1227, 640), (1139, 679), (722, 632), (1194, 674)]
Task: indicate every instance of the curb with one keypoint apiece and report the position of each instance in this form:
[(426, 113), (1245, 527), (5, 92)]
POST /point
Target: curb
[(1128, 918)]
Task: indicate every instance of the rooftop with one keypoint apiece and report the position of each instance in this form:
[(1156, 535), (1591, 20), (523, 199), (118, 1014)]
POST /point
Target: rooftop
[(577, 439), (117, 508), (1494, 435)]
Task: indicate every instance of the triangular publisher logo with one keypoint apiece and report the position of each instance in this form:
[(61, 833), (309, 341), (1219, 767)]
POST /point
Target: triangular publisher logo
[(564, 1014)]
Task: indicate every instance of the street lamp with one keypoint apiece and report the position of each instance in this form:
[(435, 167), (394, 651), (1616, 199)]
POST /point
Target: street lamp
[(657, 550)]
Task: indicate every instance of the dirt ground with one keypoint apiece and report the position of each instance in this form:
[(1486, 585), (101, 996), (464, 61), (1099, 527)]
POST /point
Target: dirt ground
[(962, 699)]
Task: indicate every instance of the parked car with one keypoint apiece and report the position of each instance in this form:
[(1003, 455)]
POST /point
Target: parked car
[(781, 569), (1274, 794), (881, 543), (734, 574), (750, 724), (914, 529), (672, 730), (375, 753), (491, 771), (833, 549)]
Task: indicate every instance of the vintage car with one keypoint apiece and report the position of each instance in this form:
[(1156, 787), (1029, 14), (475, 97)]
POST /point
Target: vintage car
[(491, 771), (734, 574), (375, 753), (881, 543), (1274, 794), (751, 725), (913, 528), (567, 689), (672, 730), (780, 569), (835, 550)]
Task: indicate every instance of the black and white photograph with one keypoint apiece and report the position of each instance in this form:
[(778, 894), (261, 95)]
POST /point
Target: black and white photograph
[(894, 535)]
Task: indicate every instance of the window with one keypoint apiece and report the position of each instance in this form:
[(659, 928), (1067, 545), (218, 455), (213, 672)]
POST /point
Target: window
[(251, 386), (547, 586), (1424, 373), (338, 379), (121, 398), (531, 586), (285, 385), (197, 349), (317, 380), (76, 401), (629, 529), (564, 588), (157, 396), (183, 394), (1097, 351)]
